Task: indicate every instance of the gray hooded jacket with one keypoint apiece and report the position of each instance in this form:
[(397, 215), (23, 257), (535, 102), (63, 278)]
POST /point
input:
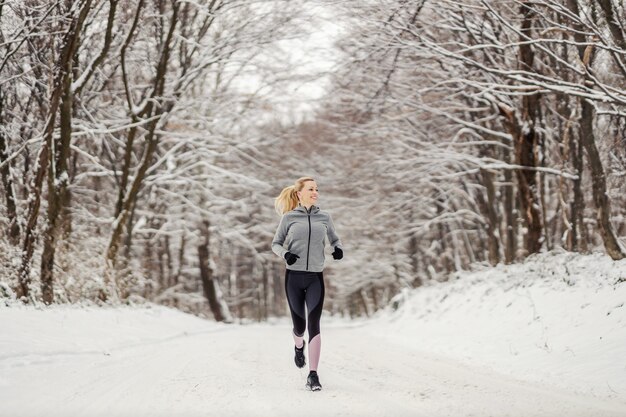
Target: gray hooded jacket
[(304, 232)]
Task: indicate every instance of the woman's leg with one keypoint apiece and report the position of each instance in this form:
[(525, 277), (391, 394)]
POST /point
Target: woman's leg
[(296, 298), (314, 304)]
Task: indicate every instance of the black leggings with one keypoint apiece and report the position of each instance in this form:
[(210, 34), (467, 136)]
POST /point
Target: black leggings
[(303, 288)]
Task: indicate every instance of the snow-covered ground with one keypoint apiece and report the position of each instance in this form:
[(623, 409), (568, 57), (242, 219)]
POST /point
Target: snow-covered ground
[(558, 318), (546, 338)]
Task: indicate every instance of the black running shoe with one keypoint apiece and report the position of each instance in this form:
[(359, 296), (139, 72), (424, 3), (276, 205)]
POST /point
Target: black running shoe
[(313, 382), (299, 358)]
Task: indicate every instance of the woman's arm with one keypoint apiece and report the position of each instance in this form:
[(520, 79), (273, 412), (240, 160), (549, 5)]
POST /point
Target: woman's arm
[(333, 239), (279, 238)]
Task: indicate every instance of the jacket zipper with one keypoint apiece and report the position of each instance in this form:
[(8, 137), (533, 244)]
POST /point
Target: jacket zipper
[(309, 243)]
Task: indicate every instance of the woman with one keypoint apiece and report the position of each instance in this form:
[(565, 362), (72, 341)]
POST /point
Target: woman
[(303, 228)]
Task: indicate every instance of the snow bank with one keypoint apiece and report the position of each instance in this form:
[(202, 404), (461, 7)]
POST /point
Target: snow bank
[(37, 333), (558, 318)]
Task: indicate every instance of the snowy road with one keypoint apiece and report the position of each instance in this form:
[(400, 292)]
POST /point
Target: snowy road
[(98, 366)]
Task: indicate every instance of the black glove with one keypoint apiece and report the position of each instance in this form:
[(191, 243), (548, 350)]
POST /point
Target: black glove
[(291, 258), (337, 254)]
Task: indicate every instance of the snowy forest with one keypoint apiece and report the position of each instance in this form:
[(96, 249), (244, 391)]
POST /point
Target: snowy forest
[(142, 143)]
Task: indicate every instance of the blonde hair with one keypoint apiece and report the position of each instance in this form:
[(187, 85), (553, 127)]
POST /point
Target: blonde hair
[(287, 200)]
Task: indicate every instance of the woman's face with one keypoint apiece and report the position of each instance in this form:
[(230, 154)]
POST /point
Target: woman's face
[(309, 194)]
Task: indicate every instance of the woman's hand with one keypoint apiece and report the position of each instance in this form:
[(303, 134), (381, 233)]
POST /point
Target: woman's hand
[(337, 254), (291, 258)]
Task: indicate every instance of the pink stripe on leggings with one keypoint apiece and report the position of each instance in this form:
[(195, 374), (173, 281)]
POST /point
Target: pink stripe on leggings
[(298, 340), (315, 348)]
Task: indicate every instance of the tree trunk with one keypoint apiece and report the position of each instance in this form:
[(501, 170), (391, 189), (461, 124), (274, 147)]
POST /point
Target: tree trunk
[(128, 237), (7, 182), (45, 156), (363, 301), (57, 186), (510, 221), (543, 184), (266, 290), (181, 259), (58, 175), (445, 263), (279, 289), (211, 291), (125, 174), (526, 141), (413, 255), (162, 265), (598, 180), (166, 261), (492, 217), (577, 205), (28, 245), (375, 299), (587, 138), (148, 262)]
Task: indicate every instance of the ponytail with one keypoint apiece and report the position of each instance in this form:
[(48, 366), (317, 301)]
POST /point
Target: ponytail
[(287, 200)]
